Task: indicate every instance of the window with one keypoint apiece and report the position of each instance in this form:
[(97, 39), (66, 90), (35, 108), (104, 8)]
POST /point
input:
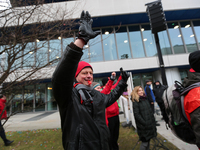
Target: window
[(164, 43), (122, 43), (42, 53), (67, 41), (197, 30), (29, 55), (136, 80), (96, 49), (86, 54), (109, 46), (149, 42), (188, 36), (183, 74), (136, 41), (175, 37), (51, 102), (40, 97), (28, 97), (55, 50)]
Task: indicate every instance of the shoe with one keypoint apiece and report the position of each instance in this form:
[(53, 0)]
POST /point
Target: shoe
[(157, 124), (8, 142)]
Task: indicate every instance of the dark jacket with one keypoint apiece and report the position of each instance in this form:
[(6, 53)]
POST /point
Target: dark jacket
[(144, 118), (80, 129), (158, 91), (192, 104)]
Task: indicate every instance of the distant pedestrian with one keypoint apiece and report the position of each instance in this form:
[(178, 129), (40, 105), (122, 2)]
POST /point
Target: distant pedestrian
[(144, 118), (150, 95), (158, 90), (3, 116)]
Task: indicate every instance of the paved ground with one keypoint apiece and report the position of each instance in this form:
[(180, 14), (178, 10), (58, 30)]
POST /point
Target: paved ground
[(47, 120)]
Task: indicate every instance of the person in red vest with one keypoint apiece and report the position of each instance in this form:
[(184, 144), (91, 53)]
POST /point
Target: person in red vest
[(3, 115), (192, 99), (112, 113)]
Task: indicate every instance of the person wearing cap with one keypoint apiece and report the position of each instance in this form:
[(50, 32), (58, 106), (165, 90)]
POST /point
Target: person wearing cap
[(81, 108), (3, 115), (112, 113), (158, 90), (192, 99)]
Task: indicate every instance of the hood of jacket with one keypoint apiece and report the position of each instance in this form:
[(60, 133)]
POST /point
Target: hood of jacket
[(193, 77)]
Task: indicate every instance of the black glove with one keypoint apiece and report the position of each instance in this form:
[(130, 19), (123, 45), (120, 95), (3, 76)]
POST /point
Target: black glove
[(124, 75), (85, 30)]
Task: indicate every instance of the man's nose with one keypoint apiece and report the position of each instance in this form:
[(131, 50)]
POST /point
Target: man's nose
[(89, 75)]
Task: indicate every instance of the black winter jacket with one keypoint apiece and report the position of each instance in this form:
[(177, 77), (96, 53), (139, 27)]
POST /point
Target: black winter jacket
[(158, 91), (81, 130), (144, 118)]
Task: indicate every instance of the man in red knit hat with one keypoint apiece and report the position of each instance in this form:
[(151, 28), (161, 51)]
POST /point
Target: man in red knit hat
[(82, 109)]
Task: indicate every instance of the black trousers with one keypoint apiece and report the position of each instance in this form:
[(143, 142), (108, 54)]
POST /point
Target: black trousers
[(113, 124), (2, 132), (163, 112)]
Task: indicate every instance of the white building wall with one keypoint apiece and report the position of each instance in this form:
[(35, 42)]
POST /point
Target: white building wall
[(97, 8), (172, 74)]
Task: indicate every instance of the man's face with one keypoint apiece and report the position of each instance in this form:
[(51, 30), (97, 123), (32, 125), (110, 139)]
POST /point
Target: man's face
[(157, 83), (149, 83), (85, 75)]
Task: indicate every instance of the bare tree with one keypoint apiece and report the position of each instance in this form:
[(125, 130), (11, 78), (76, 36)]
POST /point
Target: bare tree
[(29, 49)]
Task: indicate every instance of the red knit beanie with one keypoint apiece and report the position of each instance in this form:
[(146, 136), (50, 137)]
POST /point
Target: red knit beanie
[(81, 66)]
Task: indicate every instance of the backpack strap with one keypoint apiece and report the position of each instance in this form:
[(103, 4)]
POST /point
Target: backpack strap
[(186, 90)]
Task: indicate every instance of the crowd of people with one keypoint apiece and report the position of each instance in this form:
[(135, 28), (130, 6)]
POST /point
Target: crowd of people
[(89, 111)]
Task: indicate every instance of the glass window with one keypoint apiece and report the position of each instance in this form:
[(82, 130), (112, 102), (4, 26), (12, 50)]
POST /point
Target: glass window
[(197, 30), (183, 74), (86, 54), (40, 97), (54, 50), (28, 97), (67, 41), (51, 102), (96, 49), (136, 42), (164, 43), (149, 41), (188, 36), (136, 80), (109, 46), (29, 55), (122, 43), (15, 95), (3, 58), (42, 53), (175, 37)]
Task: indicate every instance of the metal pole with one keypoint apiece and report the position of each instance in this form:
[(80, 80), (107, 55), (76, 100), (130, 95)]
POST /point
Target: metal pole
[(162, 67)]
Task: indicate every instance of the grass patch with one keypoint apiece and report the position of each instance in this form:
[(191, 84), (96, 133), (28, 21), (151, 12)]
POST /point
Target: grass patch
[(52, 139), (128, 139)]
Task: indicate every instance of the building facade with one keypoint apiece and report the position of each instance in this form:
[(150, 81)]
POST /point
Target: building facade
[(125, 41)]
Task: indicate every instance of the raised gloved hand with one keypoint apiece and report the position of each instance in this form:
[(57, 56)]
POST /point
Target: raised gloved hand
[(85, 30), (124, 74), (113, 76)]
